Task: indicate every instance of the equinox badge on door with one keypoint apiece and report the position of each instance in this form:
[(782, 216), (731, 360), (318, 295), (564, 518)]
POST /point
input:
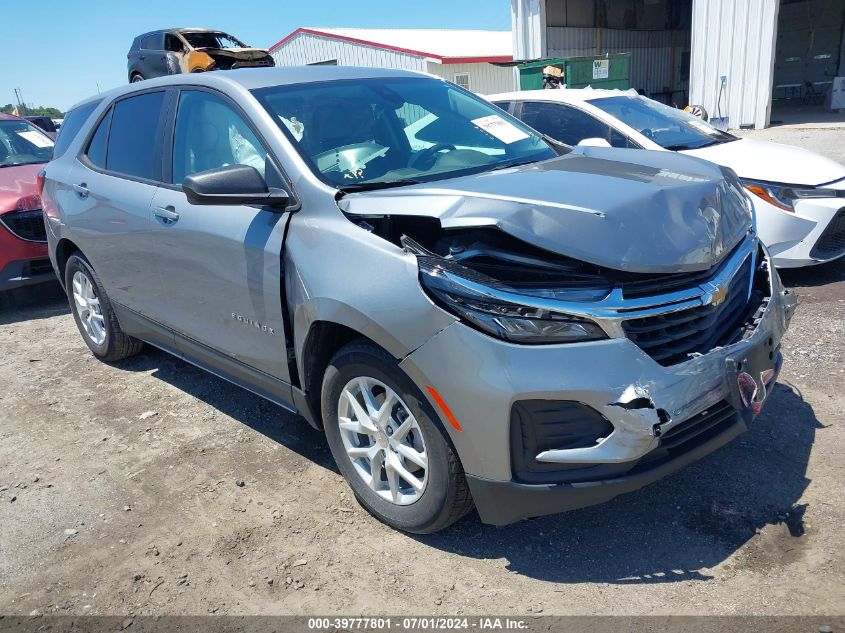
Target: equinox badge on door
[(259, 326)]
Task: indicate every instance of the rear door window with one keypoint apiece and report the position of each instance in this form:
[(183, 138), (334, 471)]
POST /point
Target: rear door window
[(132, 144), (564, 123), (70, 127), (173, 43)]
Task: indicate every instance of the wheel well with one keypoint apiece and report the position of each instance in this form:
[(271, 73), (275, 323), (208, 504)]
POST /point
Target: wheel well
[(64, 249), (324, 339)]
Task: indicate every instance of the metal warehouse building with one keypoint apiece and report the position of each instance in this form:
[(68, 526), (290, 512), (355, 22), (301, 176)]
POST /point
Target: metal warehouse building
[(740, 59), (467, 57)]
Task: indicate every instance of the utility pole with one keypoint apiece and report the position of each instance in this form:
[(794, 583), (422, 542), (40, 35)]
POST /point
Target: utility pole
[(21, 106)]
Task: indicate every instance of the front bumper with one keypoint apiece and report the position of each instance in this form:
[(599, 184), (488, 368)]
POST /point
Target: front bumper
[(22, 263), (813, 234), (505, 502), (481, 378), (19, 273)]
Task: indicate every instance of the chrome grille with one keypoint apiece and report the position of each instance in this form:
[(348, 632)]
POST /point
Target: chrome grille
[(672, 337)]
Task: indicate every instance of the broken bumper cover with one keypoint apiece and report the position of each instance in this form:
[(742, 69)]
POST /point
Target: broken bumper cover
[(505, 502), (481, 379)]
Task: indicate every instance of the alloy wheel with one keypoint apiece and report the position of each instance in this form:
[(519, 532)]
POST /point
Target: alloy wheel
[(88, 308), (383, 440)]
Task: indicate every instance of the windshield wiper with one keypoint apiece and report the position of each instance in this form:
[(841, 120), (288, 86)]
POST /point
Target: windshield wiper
[(513, 163), (372, 186), (683, 146)]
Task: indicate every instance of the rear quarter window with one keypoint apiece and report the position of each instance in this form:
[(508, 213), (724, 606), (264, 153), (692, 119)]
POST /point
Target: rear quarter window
[(96, 151), (153, 42), (74, 120), (504, 105)]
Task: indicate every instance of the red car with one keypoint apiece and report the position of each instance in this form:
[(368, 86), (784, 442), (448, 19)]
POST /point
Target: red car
[(24, 149)]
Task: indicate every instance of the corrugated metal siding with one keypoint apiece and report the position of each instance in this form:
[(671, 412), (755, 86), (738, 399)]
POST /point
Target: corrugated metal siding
[(528, 27), (483, 78), (306, 48), (735, 39), (656, 56)]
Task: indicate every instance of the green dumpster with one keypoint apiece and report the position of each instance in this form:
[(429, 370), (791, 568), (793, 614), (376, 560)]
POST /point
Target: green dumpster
[(599, 71), (531, 73)]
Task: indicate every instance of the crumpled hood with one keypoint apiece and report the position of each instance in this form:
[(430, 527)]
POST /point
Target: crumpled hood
[(773, 162), (625, 209), (239, 53)]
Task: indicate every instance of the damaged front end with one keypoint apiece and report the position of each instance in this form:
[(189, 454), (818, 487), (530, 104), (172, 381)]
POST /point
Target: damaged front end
[(599, 378), (206, 59), (603, 383)]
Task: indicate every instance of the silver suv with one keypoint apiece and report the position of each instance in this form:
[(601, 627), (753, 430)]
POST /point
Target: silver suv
[(475, 315)]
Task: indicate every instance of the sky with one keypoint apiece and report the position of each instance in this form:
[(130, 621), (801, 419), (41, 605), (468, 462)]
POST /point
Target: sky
[(59, 52)]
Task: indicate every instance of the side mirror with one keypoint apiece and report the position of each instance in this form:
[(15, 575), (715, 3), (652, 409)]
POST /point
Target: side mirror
[(594, 142), (233, 185)]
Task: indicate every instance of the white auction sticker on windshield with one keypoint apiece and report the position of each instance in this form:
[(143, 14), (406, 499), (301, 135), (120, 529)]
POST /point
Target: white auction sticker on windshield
[(36, 138), (503, 130)]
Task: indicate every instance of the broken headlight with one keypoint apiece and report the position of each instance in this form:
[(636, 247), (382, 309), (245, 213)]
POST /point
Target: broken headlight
[(482, 306)]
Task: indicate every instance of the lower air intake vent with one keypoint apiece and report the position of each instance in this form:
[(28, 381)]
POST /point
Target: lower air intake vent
[(27, 225), (832, 241)]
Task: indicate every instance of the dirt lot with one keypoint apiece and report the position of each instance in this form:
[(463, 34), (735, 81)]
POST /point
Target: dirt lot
[(119, 494)]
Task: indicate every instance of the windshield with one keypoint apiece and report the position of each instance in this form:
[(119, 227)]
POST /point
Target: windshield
[(668, 127), (204, 39), (364, 133), (21, 143)]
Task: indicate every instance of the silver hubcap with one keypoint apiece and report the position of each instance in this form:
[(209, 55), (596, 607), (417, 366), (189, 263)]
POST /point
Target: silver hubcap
[(88, 308), (383, 440)]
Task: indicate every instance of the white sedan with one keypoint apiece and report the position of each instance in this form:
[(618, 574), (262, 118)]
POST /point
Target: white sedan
[(799, 196)]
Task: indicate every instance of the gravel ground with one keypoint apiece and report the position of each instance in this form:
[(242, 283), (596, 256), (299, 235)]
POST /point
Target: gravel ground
[(119, 495)]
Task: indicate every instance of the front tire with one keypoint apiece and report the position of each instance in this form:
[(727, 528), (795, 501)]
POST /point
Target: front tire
[(136, 78), (388, 444), (93, 313)]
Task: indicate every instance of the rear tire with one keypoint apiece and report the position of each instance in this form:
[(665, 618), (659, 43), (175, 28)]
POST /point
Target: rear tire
[(93, 313), (136, 78), (380, 457)]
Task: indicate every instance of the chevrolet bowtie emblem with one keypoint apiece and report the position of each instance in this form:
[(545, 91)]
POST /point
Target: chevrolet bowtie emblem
[(718, 294)]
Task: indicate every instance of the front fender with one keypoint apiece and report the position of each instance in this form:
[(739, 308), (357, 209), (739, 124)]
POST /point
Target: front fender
[(323, 309)]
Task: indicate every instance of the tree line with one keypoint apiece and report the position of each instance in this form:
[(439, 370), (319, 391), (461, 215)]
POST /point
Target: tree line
[(53, 113)]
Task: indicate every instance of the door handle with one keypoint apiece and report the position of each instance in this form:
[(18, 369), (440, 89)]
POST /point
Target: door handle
[(81, 189), (167, 214)]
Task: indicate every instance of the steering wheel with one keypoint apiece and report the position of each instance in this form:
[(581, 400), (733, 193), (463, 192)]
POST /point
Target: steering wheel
[(647, 132), (429, 155)]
